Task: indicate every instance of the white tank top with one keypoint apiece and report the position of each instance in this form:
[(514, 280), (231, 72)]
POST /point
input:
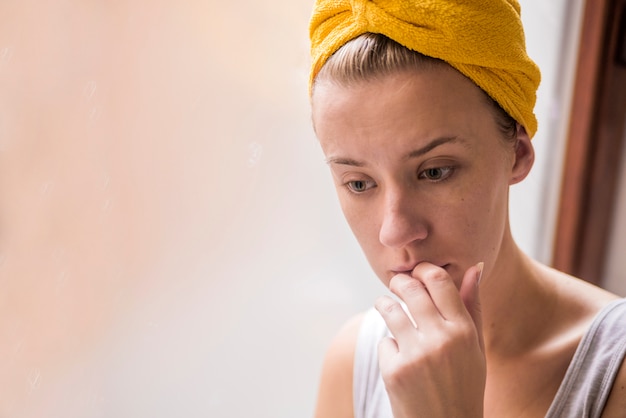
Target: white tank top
[(583, 391)]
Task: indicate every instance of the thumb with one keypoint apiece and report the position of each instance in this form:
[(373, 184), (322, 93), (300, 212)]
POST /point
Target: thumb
[(470, 294)]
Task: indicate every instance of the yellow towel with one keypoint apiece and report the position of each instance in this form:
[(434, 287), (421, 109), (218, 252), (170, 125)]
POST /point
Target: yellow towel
[(483, 39)]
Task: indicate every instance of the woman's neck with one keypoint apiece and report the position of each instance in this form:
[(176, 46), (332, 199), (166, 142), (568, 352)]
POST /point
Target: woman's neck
[(516, 302)]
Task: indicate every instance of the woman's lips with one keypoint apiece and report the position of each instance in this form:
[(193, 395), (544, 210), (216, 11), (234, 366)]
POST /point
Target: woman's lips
[(395, 273), (409, 271)]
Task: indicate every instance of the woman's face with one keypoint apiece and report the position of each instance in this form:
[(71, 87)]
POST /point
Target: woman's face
[(421, 169)]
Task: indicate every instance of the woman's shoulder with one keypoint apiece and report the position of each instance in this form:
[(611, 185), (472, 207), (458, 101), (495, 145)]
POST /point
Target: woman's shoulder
[(594, 320), (336, 382), (596, 378), (580, 311)]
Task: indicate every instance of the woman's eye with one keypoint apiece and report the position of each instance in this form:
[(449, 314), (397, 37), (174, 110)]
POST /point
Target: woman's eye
[(436, 173), (360, 186)]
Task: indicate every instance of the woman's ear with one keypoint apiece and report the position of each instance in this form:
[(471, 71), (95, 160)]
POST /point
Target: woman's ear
[(524, 156)]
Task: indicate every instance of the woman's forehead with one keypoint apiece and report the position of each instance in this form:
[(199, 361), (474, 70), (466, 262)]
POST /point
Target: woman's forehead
[(401, 114), (446, 96)]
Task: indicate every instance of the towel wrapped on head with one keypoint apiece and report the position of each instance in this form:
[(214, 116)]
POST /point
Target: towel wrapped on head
[(483, 39)]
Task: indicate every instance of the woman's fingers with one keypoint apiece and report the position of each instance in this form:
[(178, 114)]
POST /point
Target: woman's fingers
[(442, 290), (433, 302), (415, 294), (431, 295), (436, 368), (398, 322)]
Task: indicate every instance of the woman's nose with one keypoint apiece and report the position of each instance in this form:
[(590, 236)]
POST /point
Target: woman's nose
[(403, 221)]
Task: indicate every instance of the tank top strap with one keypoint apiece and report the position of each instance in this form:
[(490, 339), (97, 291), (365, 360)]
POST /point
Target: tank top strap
[(592, 371)]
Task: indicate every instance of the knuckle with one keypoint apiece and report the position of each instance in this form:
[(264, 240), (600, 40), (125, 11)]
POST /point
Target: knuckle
[(436, 275), (470, 338), (463, 335), (400, 374), (387, 305), (443, 343), (453, 338), (405, 285)]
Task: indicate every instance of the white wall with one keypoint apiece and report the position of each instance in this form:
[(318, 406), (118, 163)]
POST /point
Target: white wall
[(170, 243)]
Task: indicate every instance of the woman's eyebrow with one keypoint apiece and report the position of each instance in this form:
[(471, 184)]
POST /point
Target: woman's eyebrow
[(344, 161), (432, 145), (413, 154)]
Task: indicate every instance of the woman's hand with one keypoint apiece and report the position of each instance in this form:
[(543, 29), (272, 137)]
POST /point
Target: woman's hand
[(435, 368)]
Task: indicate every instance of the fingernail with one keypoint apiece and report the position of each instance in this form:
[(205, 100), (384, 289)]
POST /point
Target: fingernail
[(480, 272)]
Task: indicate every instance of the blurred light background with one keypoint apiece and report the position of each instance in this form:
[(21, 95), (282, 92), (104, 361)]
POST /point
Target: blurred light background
[(170, 242)]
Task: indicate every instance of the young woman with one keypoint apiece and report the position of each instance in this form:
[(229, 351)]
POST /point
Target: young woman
[(424, 111)]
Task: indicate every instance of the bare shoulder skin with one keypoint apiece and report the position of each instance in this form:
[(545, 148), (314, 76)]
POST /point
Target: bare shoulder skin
[(335, 391)]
